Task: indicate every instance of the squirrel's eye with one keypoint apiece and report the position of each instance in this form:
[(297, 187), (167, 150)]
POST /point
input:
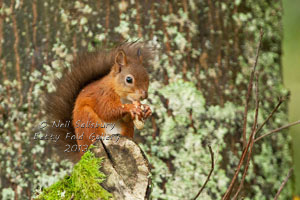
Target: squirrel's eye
[(129, 80)]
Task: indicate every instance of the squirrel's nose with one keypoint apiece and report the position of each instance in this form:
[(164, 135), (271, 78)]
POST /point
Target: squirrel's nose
[(144, 94)]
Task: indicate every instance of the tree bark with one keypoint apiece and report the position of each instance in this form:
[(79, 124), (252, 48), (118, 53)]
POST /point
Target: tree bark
[(210, 44)]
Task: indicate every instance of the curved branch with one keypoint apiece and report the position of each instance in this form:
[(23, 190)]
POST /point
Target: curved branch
[(210, 173)]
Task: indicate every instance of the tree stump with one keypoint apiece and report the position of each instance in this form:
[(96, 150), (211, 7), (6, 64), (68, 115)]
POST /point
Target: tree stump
[(126, 168)]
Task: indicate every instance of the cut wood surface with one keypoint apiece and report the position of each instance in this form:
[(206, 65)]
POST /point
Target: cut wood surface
[(126, 168)]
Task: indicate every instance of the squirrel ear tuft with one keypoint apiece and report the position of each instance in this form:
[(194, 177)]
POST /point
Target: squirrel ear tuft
[(139, 54), (120, 58)]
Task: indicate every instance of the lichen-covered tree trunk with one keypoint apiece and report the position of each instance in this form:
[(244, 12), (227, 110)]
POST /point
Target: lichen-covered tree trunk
[(197, 90)]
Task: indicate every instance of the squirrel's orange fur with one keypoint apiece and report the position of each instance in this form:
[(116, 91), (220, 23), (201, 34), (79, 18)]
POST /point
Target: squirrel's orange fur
[(105, 94)]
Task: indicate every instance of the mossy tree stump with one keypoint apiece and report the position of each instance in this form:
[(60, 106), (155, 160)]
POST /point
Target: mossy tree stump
[(126, 168)]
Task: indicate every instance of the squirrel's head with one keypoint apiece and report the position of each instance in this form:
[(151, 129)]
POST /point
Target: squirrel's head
[(131, 78)]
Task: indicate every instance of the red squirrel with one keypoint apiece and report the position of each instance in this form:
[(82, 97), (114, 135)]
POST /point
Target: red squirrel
[(103, 87)]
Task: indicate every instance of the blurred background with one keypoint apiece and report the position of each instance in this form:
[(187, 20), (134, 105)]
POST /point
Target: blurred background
[(291, 72), (198, 88)]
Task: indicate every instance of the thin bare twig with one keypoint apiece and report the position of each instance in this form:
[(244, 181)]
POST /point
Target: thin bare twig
[(283, 184), (281, 100), (228, 192), (211, 171), (250, 90), (277, 130), (254, 128)]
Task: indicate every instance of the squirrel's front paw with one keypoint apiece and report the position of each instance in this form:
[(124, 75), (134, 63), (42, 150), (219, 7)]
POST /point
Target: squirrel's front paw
[(147, 111), (134, 110)]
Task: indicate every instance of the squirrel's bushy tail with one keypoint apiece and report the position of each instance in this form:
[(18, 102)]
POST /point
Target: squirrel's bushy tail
[(85, 69), (59, 104)]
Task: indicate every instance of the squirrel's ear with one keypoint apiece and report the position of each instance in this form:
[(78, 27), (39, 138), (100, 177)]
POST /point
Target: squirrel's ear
[(139, 54), (120, 58)]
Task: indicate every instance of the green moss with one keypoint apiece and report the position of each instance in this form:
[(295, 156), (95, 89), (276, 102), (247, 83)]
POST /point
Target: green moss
[(84, 182)]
